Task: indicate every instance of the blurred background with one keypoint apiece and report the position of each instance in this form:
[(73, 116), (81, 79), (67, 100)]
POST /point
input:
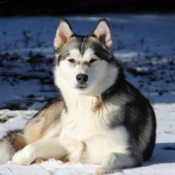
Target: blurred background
[(143, 39), (70, 7)]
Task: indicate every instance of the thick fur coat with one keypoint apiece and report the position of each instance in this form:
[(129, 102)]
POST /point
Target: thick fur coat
[(100, 118)]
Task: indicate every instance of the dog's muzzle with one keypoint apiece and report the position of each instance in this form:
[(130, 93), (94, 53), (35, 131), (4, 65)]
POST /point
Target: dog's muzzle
[(82, 78)]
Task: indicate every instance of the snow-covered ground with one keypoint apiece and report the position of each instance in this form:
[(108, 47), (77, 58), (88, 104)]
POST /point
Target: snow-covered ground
[(144, 43)]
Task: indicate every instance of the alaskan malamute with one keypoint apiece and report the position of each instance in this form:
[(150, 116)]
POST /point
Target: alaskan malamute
[(100, 118)]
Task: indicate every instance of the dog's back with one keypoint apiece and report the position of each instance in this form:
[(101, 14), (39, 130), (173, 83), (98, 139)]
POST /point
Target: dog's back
[(141, 123)]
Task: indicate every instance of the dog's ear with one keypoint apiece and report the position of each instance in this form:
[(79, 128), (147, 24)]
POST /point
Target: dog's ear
[(63, 33), (103, 33)]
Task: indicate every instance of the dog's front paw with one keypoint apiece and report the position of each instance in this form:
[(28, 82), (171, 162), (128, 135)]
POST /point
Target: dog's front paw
[(75, 155), (23, 157), (106, 170), (100, 171)]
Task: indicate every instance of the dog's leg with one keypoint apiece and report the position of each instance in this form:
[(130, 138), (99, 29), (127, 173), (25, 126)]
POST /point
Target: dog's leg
[(51, 148), (113, 162), (76, 154)]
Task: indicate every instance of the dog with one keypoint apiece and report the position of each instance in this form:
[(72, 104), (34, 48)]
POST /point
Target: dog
[(100, 118)]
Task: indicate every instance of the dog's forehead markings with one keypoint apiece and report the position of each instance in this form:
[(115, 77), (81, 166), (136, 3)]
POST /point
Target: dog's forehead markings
[(75, 53), (88, 54)]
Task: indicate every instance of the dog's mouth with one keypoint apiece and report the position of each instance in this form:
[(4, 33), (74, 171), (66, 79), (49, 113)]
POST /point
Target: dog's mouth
[(81, 87)]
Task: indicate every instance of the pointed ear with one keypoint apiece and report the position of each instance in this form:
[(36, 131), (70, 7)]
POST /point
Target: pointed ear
[(103, 33), (63, 33)]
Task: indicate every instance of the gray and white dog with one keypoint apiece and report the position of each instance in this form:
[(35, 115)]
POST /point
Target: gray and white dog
[(100, 118)]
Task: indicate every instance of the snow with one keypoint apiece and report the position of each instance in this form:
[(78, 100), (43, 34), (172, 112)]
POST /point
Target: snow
[(145, 44)]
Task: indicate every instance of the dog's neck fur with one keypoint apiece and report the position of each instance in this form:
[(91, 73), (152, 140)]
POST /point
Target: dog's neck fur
[(74, 100), (77, 101)]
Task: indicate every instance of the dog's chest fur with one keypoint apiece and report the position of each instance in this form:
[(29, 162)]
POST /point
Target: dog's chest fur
[(85, 117)]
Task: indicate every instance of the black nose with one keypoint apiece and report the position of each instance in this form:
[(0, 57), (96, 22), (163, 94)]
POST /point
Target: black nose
[(82, 78)]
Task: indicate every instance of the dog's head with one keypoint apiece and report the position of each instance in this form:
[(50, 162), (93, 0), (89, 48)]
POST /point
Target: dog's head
[(84, 64)]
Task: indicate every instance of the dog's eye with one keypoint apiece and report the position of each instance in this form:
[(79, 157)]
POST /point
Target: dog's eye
[(71, 60), (92, 60)]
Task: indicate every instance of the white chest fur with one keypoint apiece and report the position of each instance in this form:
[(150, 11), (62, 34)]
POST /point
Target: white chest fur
[(84, 118)]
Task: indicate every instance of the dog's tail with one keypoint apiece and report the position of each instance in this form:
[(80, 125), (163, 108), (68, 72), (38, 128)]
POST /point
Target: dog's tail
[(10, 144)]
